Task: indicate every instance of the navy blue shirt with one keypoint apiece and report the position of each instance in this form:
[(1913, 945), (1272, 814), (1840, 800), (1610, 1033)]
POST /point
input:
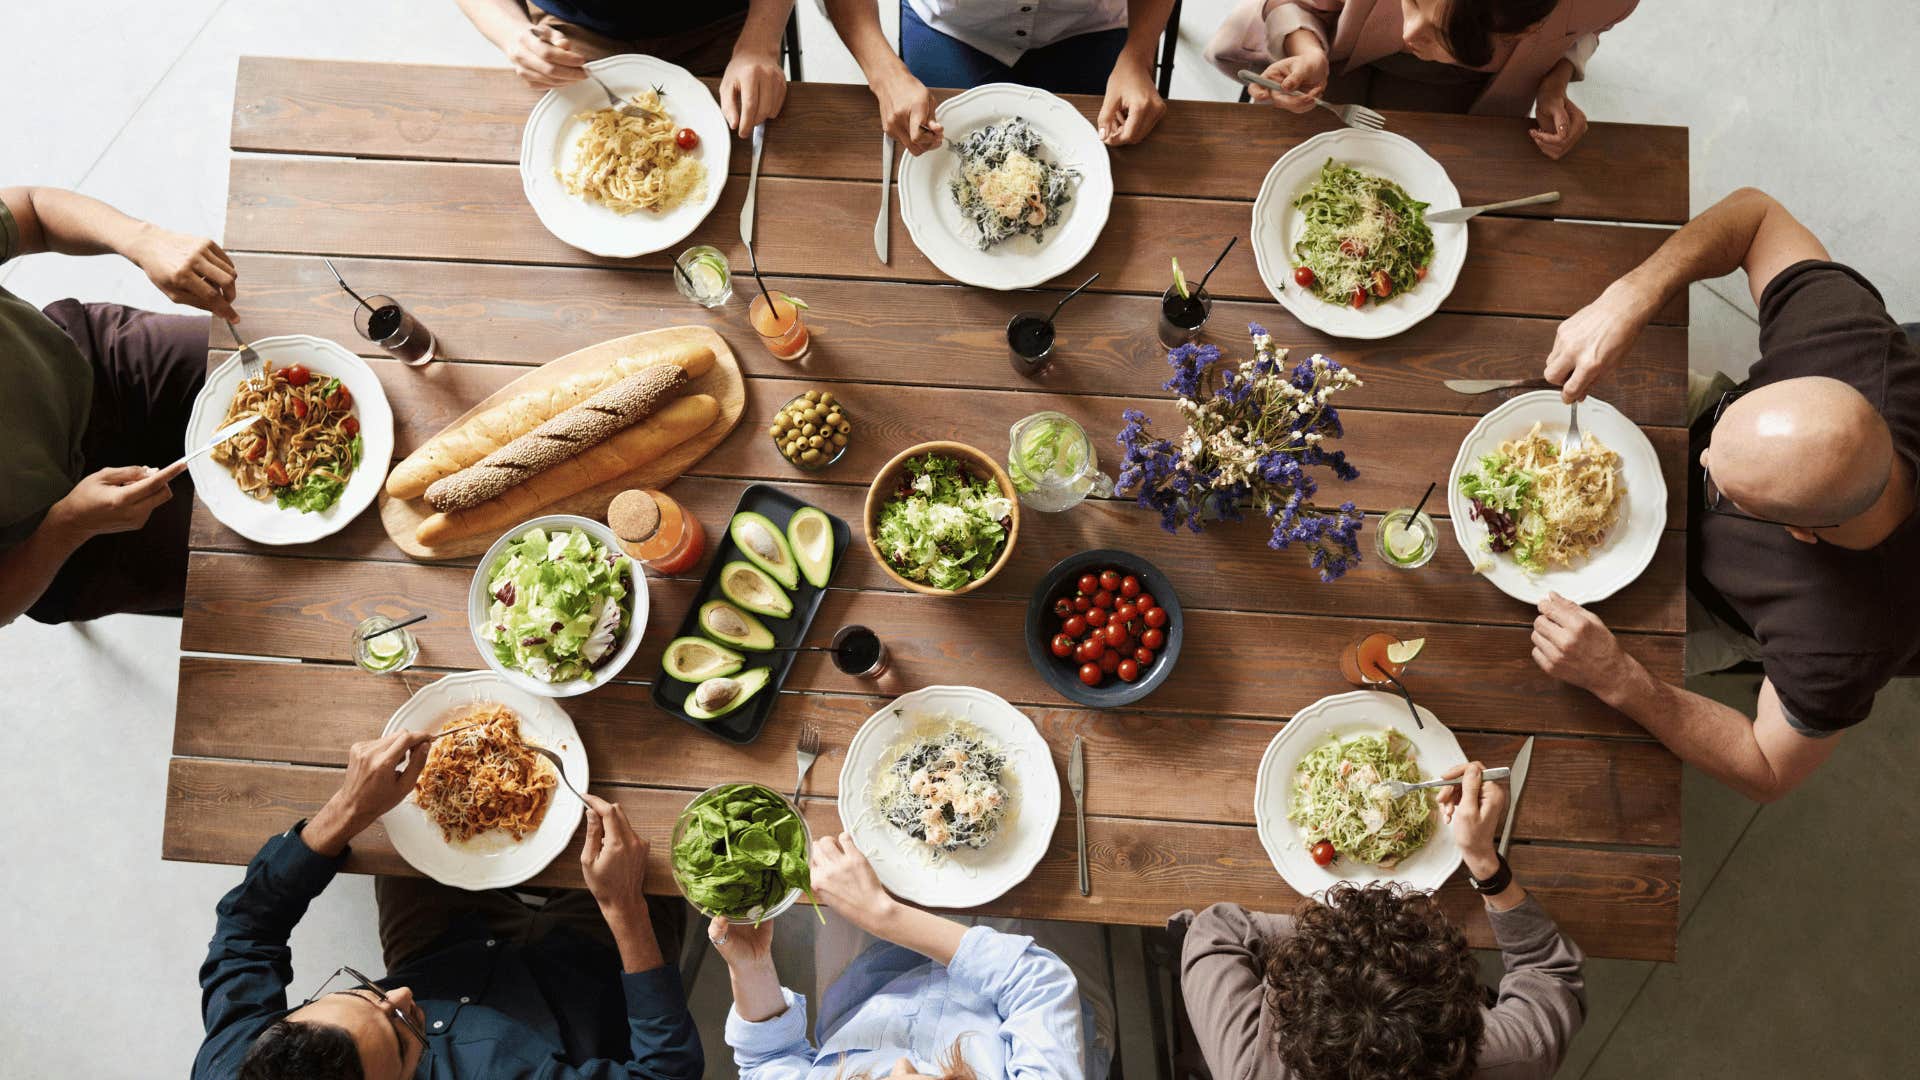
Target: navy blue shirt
[(630, 21), (558, 1008)]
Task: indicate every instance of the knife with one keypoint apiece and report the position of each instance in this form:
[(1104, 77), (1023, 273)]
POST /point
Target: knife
[(1482, 386), (1448, 217), (753, 183), (1077, 780), (886, 193), (219, 437), (1517, 780)]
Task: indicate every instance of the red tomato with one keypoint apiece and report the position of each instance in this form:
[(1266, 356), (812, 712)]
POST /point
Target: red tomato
[(1095, 647), (1322, 853), (1382, 284), (299, 407), (1128, 670), (1351, 248), (1103, 599), (297, 375), (1089, 584), (1062, 646), (1116, 635), (351, 426), (1420, 274), (1110, 662), (1109, 580), (1359, 298), (1091, 674), (1129, 586), (1153, 637), (1074, 627), (1144, 601), (1155, 617), (1096, 617), (1124, 611), (1082, 603), (258, 450), (277, 474), (686, 138), (1063, 607), (339, 400), (1143, 654), (1303, 276)]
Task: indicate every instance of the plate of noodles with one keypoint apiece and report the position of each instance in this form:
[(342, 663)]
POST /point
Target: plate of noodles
[(1584, 526), (951, 794), (625, 186), (1317, 782), (486, 812), (1018, 193), (316, 459)]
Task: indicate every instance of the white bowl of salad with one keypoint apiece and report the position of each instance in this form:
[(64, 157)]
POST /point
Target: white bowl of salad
[(556, 607)]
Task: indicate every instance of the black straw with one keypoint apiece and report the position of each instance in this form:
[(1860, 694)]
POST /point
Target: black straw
[(1202, 287), (1398, 685), (350, 292), (755, 263), (1071, 295), (395, 626), (678, 269), (1417, 507)]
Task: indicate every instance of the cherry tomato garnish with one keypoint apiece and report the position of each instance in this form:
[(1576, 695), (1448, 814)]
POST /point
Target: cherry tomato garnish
[(1074, 627), (686, 138), (1382, 284), (1103, 599), (1063, 607), (1351, 248), (1303, 276), (1322, 853), (1129, 586), (1359, 298), (1143, 654), (1109, 579), (277, 474), (1116, 635), (1096, 617), (258, 450), (1155, 617), (1124, 611), (1109, 662), (1089, 584), (1144, 601), (351, 426), (1153, 637), (339, 400), (1128, 670), (1420, 274), (1091, 674), (297, 375), (1062, 646), (299, 407), (1094, 648), (1082, 603)]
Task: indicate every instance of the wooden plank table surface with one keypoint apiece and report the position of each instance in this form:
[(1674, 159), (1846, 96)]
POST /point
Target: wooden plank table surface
[(407, 177)]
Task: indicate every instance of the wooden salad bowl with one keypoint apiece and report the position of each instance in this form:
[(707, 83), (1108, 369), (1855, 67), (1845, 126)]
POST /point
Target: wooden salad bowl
[(888, 478)]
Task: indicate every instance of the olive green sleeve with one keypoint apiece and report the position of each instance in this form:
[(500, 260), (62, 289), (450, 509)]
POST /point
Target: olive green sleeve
[(9, 233)]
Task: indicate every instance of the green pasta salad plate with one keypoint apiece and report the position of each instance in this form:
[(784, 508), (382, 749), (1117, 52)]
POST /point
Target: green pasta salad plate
[(1322, 813)]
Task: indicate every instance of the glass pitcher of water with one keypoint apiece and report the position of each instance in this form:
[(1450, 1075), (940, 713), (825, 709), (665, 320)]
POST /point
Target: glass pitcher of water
[(1053, 463)]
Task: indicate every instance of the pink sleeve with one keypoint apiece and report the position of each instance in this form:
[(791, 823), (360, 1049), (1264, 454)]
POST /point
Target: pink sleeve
[(1283, 17)]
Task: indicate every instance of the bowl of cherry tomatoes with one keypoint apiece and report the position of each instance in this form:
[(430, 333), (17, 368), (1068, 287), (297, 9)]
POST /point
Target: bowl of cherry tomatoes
[(1104, 628)]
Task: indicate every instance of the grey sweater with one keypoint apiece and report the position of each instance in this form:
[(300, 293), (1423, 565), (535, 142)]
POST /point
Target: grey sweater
[(1542, 998)]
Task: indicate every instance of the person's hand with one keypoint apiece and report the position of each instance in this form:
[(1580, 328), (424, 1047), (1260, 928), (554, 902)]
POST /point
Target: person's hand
[(906, 111), (188, 269), (1474, 811), (1133, 104), (543, 60), (1593, 340), (752, 90), (742, 944), (1305, 73), (613, 859), (844, 880), (114, 500), (1561, 123), (1571, 644), (380, 772)]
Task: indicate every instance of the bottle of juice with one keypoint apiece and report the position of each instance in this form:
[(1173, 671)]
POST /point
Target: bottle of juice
[(657, 531)]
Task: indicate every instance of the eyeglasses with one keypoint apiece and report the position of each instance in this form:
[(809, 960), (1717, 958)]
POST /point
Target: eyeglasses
[(395, 1015), (1717, 501)]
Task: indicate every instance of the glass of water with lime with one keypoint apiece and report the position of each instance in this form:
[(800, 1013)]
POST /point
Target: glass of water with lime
[(703, 276), (383, 654), (1407, 538)]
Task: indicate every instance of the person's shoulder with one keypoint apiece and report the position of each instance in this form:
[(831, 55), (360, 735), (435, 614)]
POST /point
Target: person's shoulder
[(1822, 282)]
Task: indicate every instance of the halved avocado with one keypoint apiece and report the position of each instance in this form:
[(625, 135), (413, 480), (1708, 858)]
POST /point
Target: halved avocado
[(760, 541), (723, 622), (715, 698), (693, 659), (810, 534), (749, 586)]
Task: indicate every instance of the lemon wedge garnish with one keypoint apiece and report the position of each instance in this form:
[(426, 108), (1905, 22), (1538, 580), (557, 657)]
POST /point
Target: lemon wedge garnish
[(1403, 652)]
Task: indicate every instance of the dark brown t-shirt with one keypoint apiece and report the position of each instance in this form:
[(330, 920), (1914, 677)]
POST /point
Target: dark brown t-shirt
[(1833, 624)]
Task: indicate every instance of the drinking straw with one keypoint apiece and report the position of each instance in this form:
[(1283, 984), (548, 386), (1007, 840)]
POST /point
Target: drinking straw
[(1400, 686), (1216, 263), (395, 626), (755, 263), (1417, 507), (1071, 295), (350, 292), (678, 269)]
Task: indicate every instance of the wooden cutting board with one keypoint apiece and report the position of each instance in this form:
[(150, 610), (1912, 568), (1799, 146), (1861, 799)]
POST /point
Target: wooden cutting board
[(401, 517)]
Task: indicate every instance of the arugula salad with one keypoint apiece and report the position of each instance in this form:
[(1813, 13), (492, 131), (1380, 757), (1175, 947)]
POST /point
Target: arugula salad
[(1364, 237), (739, 851), (943, 526), (560, 602)]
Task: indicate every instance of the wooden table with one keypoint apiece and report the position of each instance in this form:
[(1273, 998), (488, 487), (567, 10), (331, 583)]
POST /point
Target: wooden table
[(406, 176)]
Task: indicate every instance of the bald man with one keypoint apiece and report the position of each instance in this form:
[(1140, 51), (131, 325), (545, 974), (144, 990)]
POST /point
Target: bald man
[(1809, 543)]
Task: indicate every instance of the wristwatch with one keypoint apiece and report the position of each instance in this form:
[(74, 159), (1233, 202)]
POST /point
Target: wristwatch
[(1501, 878)]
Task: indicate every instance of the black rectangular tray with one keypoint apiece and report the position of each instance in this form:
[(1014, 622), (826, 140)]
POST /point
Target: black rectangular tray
[(744, 724)]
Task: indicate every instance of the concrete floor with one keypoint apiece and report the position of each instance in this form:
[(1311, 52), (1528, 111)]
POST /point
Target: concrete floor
[(1797, 937)]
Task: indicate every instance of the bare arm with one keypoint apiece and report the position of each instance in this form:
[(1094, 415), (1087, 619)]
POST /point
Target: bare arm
[(541, 60), (1133, 105), (754, 88), (188, 269), (27, 568), (906, 106)]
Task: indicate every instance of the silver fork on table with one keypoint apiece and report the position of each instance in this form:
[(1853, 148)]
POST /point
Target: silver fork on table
[(1397, 789), (250, 362), (1570, 443), (1354, 116), (804, 755)]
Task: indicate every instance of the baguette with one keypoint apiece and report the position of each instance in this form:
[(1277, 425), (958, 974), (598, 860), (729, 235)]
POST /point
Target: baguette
[(633, 448), (571, 432), (464, 444)]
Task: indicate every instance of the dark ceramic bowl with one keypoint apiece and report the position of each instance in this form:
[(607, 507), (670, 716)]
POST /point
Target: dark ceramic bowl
[(1064, 675)]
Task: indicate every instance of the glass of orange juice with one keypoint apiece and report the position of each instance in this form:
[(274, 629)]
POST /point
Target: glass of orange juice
[(1377, 659), (780, 326)]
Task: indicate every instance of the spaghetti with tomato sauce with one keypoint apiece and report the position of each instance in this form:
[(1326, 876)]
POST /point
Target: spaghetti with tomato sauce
[(484, 777), (306, 444)]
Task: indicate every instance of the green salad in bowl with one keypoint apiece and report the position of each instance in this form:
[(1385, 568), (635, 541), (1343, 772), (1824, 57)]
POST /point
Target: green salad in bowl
[(942, 518), (557, 606)]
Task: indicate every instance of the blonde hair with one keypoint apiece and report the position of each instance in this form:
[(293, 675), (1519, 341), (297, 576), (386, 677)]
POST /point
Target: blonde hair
[(953, 1066)]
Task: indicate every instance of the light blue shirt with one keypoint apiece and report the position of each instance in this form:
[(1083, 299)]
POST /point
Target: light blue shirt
[(1017, 1004)]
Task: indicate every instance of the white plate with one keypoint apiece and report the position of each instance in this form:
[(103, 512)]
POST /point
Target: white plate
[(264, 522), (1630, 545), (491, 860), (968, 877), (547, 144), (933, 218), (1435, 750), (479, 600), (1276, 223)]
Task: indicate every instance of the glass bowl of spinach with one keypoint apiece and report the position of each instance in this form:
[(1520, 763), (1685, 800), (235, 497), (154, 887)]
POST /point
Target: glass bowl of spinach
[(740, 853)]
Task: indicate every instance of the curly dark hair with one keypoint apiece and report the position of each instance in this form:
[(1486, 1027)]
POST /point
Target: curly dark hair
[(302, 1050), (1375, 983), (1472, 25)]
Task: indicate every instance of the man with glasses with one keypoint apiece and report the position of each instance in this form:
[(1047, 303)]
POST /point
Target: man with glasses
[(1804, 538), (477, 984)]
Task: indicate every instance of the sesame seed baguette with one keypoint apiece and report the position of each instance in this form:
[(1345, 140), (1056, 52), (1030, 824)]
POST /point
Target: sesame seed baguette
[(589, 423), (464, 444)]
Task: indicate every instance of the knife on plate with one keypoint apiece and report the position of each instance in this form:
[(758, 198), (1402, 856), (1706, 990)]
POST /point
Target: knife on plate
[(886, 194), (1482, 386), (1516, 781), (219, 437), (1462, 213), (753, 183), (1077, 780)]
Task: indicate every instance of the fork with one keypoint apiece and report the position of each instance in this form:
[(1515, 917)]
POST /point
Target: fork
[(1570, 443), (558, 766), (250, 362), (804, 755), (626, 108), (1354, 116), (1397, 789)]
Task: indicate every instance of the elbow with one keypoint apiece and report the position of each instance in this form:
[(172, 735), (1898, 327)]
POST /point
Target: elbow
[(1768, 790), (1753, 196)]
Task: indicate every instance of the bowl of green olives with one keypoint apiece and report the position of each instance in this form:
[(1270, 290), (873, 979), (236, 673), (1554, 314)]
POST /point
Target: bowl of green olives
[(812, 430)]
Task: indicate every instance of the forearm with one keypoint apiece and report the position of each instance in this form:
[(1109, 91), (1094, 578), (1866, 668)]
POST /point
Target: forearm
[(766, 22), (497, 20), (633, 934), (29, 567), (1146, 21), (51, 219), (1712, 245), (1557, 78), (930, 935), (1714, 738), (756, 990), (858, 24)]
